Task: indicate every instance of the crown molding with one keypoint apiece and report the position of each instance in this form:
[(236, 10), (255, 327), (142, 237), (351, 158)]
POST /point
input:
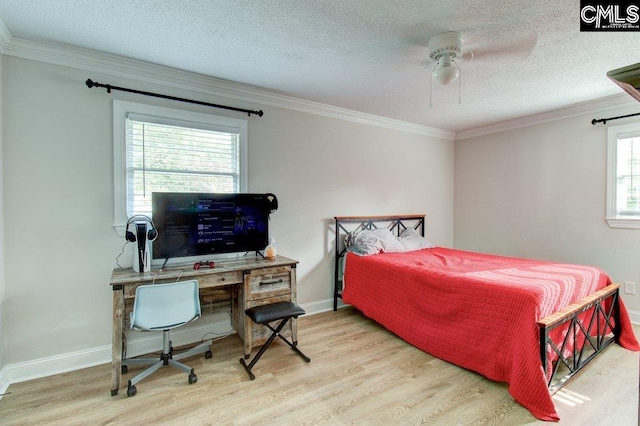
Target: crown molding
[(104, 63), (5, 37), (597, 106)]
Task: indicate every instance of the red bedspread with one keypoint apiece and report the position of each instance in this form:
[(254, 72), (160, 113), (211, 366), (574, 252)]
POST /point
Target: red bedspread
[(475, 310)]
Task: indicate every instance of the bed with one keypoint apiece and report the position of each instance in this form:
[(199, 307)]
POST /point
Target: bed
[(528, 323)]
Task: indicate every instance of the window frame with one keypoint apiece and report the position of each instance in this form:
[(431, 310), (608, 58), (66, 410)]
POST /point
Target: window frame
[(120, 111), (613, 134)]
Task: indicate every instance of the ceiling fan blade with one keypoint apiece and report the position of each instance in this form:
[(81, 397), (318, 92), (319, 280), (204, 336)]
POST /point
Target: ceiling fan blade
[(512, 49)]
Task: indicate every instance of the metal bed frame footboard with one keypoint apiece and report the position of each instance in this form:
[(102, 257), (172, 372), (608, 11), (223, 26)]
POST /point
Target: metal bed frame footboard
[(593, 324), (348, 224)]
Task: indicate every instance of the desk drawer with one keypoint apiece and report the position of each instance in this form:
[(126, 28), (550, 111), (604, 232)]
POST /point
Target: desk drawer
[(204, 281), (270, 282), (212, 280)]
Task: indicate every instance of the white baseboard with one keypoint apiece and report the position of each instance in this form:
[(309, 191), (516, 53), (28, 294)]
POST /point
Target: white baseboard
[(57, 364), (209, 327), (320, 306), (4, 381), (138, 343)]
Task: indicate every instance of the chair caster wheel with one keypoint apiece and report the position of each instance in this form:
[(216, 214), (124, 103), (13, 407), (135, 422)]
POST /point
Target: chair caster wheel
[(192, 378), (124, 369), (208, 354), (131, 390)]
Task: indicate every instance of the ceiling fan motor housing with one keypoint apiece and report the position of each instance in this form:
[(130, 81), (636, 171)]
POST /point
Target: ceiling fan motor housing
[(449, 43)]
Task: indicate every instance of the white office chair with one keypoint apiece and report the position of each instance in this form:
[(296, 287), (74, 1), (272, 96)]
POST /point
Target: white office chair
[(163, 307)]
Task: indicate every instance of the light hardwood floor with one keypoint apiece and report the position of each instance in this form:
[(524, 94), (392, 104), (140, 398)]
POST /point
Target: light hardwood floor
[(359, 374)]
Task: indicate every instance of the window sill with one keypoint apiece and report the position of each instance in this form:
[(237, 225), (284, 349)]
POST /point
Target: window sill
[(629, 223), (120, 230)]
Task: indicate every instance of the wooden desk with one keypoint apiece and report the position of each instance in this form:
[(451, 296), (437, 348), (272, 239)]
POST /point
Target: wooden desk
[(251, 282)]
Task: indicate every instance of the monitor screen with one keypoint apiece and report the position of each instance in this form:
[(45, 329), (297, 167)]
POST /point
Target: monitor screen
[(197, 224)]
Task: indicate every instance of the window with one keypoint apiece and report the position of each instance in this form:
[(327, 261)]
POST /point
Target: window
[(163, 149), (623, 176)]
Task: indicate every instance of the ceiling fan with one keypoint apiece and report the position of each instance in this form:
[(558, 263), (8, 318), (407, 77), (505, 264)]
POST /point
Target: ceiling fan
[(446, 49), (443, 49)]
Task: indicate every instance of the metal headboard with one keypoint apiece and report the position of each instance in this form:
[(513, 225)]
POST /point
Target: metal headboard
[(348, 224)]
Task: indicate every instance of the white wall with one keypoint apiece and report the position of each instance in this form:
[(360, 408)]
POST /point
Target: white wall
[(539, 192), (58, 190)]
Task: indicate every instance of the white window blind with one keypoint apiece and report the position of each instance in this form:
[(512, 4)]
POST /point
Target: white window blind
[(628, 176), (177, 157), (163, 149), (623, 176)]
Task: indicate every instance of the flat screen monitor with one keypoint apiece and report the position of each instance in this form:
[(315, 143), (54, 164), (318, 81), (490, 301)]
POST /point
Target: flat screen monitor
[(199, 224)]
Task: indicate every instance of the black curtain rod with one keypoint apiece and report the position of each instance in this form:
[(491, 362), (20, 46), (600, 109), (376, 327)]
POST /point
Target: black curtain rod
[(90, 83), (604, 120)]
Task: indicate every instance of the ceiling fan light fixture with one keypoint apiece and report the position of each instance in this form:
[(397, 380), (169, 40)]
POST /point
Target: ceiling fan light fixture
[(445, 72), (443, 48)]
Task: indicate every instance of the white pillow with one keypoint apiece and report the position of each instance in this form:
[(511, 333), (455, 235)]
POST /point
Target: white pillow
[(411, 240), (368, 242)]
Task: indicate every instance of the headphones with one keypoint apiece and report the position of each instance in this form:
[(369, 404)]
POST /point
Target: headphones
[(152, 233), (272, 201)]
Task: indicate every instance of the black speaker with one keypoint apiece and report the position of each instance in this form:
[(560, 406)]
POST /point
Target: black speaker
[(152, 232)]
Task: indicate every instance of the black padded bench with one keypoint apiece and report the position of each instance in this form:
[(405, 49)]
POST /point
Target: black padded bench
[(265, 314)]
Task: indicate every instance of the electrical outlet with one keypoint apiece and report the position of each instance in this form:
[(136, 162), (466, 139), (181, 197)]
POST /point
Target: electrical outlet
[(629, 287)]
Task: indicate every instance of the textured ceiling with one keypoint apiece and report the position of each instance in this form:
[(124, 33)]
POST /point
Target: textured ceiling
[(529, 57)]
